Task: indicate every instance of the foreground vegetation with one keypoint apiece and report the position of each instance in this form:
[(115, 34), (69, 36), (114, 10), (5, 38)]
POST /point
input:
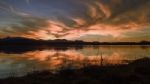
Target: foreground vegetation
[(137, 72)]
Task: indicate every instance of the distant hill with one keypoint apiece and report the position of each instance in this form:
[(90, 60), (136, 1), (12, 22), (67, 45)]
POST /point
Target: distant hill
[(60, 42)]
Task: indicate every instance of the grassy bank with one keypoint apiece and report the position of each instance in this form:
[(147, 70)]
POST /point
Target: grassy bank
[(137, 72)]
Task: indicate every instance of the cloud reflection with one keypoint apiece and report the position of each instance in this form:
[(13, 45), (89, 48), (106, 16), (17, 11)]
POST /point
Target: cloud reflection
[(19, 64), (71, 58)]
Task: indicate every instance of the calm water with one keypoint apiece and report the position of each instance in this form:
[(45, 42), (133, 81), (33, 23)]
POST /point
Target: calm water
[(21, 63)]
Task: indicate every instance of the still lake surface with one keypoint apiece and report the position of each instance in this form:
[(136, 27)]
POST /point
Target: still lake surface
[(21, 63)]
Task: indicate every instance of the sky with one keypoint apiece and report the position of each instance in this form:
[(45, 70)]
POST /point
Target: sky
[(88, 20)]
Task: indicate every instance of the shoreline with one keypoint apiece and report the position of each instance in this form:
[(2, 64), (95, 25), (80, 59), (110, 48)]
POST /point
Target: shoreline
[(136, 72)]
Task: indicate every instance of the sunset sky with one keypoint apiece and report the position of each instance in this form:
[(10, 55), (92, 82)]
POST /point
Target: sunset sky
[(88, 20)]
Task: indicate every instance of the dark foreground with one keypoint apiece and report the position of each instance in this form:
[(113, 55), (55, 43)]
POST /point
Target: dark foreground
[(137, 72)]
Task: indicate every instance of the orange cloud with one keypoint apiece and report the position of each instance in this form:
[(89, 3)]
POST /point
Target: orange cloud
[(94, 17)]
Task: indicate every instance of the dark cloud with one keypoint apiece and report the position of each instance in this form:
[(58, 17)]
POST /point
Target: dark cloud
[(121, 6), (25, 24), (75, 18)]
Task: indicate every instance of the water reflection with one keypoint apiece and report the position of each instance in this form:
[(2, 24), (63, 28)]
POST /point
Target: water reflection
[(19, 64)]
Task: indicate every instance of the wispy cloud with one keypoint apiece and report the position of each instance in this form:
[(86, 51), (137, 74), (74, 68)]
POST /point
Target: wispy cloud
[(112, 18)]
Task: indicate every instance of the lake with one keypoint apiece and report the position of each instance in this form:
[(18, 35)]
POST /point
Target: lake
[(24, 61)]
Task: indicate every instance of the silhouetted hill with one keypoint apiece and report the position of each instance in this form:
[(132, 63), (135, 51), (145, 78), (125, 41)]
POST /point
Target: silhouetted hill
[(60, 42)]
